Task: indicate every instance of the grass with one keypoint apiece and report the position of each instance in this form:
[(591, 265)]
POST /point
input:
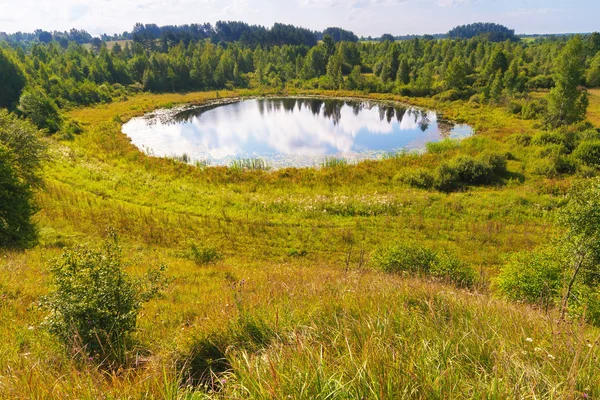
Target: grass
[(284, 289)]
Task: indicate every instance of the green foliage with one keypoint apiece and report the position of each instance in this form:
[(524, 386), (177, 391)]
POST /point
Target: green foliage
[(21, 155), (17, 204), (203, 255), (588, 152), (332, 162), (535, 277), (12, 81), (40, 109), (566, 104), (418, 177), (442, 146), (404, 258), (253, 164), (417, 260), (471, 170), (94, 304)]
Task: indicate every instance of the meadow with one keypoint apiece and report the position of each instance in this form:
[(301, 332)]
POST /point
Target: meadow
[(291, 307)]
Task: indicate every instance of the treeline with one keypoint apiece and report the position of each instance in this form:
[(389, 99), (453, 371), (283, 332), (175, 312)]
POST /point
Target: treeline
[(493, 32), (47, 76), (40, 36)]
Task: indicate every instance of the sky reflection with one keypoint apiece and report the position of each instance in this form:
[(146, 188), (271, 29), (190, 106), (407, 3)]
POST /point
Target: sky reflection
[(290, 132)]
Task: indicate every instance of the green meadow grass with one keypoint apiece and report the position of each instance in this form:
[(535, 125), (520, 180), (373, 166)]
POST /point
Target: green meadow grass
[(288, 305)]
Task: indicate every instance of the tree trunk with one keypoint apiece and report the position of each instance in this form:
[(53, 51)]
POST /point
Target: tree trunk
[(570, 286)]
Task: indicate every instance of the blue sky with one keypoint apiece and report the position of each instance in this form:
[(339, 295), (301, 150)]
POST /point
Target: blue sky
[(364, 17)]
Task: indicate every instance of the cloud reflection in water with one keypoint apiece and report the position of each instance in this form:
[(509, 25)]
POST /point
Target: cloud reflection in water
[(290, 132)]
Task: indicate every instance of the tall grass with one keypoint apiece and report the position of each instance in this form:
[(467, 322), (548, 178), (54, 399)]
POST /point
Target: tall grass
[(252, 164)]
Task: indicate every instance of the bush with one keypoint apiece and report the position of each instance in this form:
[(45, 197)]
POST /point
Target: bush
[(203, 255), (533, 110), (446, 178), (554, 165), (496, 161), (540, 82), (407, 258), (41, 109), (452, 269), (471, 170), (412, 259), (419, 178), (588, 152), (533, 277), (567, 139), (94, 304)]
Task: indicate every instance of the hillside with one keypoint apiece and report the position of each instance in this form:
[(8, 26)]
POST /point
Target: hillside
[(293, 306)]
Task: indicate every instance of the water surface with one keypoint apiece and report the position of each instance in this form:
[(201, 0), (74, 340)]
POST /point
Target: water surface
[(290, 131)]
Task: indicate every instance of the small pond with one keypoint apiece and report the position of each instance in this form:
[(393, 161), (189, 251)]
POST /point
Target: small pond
[(295, 132)]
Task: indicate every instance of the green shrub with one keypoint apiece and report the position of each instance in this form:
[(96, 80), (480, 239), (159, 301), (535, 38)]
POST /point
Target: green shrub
[(412, 259), (563, 137), (588, 152), (94, 304), (41, 109), (496, 161), (404, 258), (533, 110), (445, 178), (522, 139), (450, 268), (203, 255), (442, 146), (471, 170), (554, 166), (534, 277), (419, 178)]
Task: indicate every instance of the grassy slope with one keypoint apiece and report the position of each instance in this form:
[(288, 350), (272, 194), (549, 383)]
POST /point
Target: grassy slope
[(327, 326)]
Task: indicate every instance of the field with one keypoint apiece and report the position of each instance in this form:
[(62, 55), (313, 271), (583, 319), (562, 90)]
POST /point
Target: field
[(293, 304)]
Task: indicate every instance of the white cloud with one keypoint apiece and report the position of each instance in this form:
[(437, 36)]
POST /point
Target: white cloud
[(452, 3)]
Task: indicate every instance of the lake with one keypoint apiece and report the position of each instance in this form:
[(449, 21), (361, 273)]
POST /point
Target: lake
[(284, 132)]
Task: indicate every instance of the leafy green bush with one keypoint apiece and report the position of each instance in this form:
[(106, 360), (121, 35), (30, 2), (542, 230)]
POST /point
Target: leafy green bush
[(94, 304), (41, 109), (450, 268), (446, 178), (419, 178), (534, 277), (588, 152), (554, 165), (496, 161), (563, 137), (412, 259), (471, 170), (203, 255)]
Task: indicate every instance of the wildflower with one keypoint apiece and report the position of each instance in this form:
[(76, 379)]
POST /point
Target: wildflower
[(530, 340), (537, 349), (550, 356)]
